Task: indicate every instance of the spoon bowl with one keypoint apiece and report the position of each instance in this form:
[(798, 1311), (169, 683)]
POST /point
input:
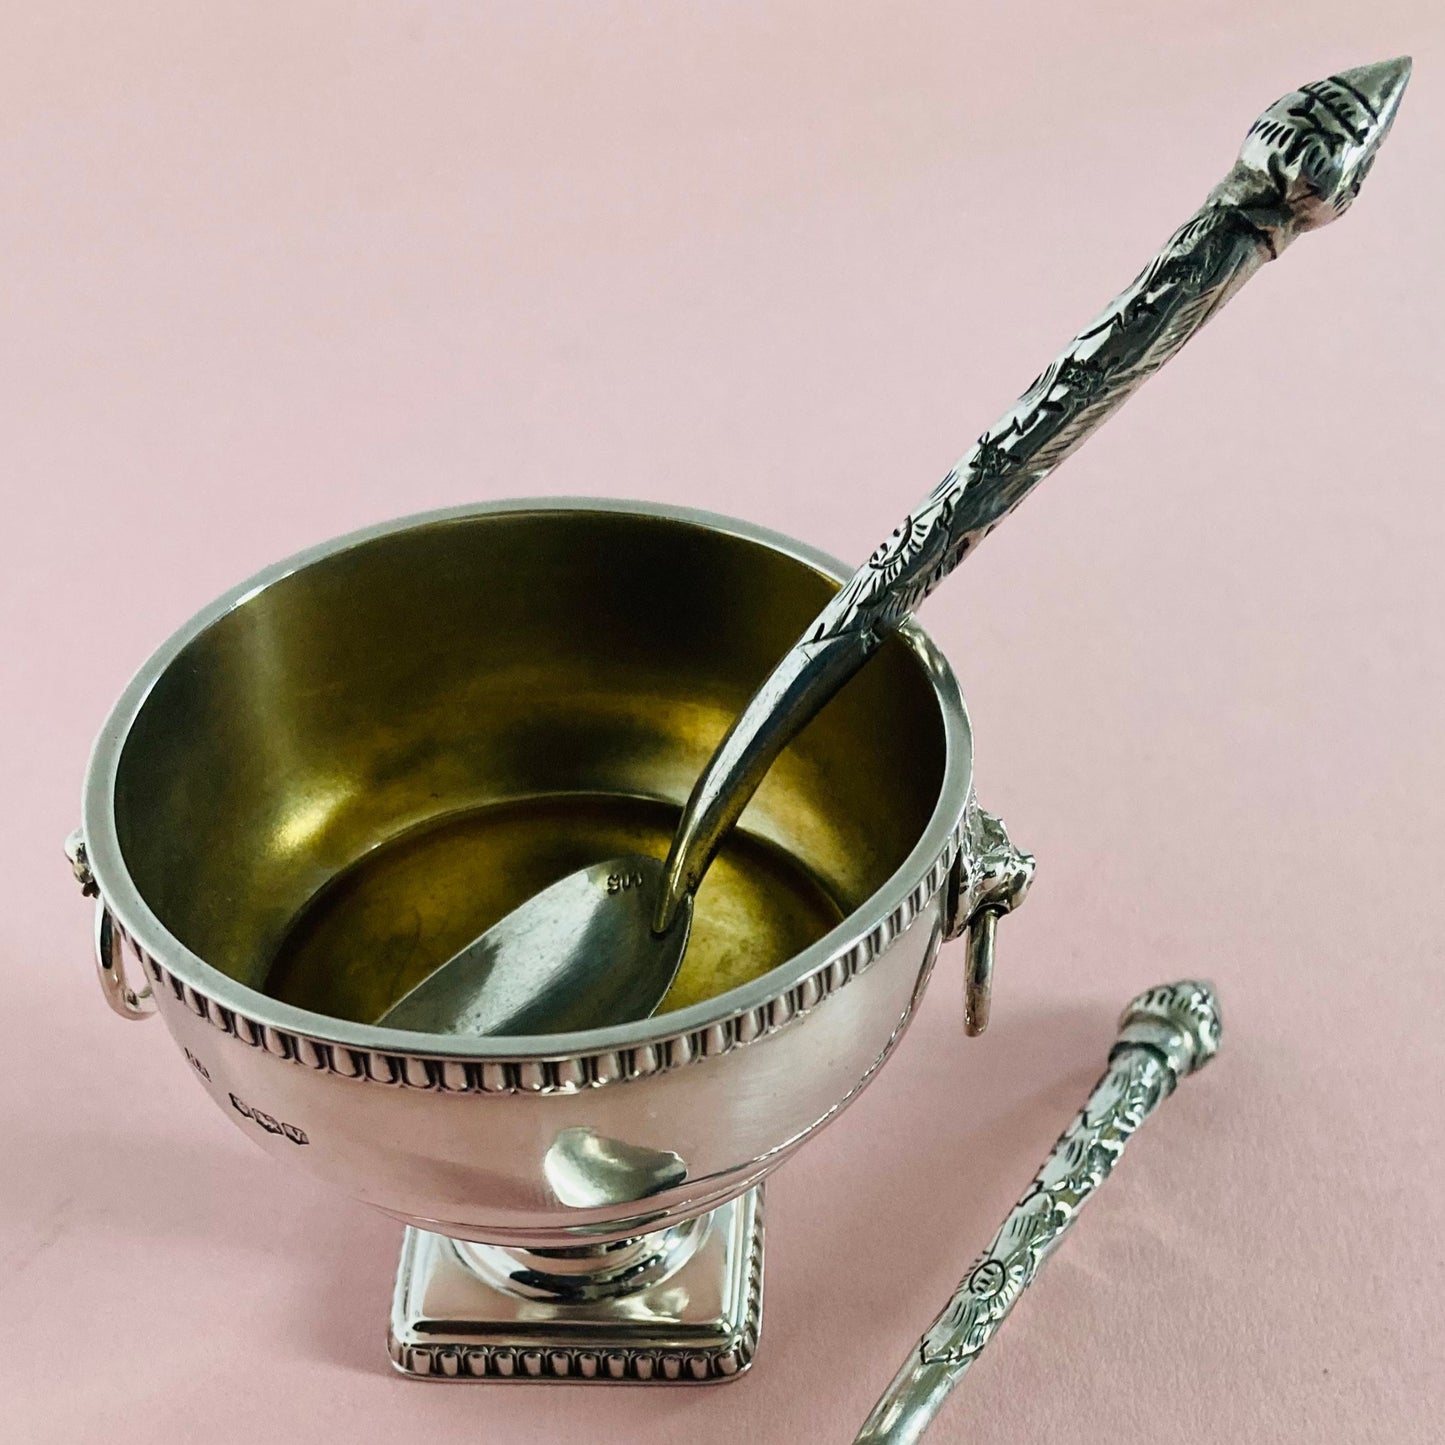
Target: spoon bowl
[(520, 976)]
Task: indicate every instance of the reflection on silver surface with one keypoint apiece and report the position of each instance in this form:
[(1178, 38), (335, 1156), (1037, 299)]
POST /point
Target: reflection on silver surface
[(618, 1269), (586, 1170)]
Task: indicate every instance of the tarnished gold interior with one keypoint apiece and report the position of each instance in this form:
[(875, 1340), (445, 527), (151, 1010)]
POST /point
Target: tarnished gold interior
[(366, 762)]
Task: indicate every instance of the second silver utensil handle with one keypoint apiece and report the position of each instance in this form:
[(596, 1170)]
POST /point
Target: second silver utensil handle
[(1164, 1035)]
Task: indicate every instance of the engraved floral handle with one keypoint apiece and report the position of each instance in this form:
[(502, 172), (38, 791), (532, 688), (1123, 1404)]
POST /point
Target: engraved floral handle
[(1301, 165), (1164, 1035)]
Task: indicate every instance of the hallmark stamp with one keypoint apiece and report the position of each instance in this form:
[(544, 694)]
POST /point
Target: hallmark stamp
[(268, 1122)]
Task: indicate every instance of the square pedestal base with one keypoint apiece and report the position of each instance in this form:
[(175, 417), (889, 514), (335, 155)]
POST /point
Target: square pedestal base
[(698, 1325)]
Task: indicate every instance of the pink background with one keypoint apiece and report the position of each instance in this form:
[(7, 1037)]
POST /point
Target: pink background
[(273, 272)]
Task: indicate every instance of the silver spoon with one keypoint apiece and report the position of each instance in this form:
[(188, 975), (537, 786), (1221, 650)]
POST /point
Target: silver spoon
[(603, 945)]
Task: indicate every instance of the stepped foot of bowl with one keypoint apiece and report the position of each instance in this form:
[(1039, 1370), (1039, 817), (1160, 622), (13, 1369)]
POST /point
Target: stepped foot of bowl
[(681, 1306)]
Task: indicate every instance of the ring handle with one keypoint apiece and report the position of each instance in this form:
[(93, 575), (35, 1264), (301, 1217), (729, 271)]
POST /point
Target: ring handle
[(110, 940), (990, 877), (128, 1002)]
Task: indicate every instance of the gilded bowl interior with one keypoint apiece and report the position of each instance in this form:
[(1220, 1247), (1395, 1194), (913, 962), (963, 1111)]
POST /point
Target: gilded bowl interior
[(366, 761)]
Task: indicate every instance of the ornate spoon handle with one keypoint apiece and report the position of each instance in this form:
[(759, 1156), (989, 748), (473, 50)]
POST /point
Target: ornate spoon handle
[(1164, 1035), (1301, 165)]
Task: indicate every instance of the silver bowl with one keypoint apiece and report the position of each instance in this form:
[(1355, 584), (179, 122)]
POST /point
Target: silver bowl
[(362, 756)]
